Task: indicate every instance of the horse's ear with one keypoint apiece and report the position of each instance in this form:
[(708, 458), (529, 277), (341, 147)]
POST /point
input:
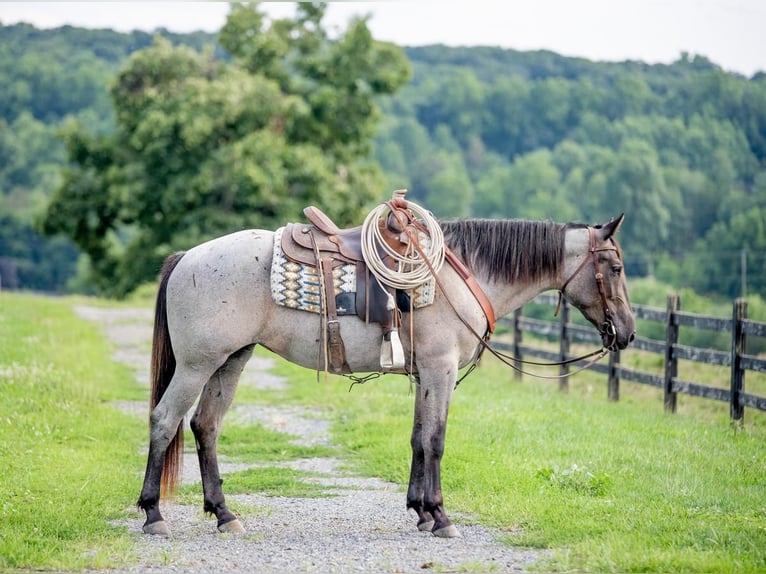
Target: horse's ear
[(612, 227)]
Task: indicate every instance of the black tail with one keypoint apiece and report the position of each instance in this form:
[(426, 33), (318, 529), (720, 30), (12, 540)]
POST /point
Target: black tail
[(163, 366)]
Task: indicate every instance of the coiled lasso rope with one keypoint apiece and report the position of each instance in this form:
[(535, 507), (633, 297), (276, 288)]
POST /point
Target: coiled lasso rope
[(411, 269)]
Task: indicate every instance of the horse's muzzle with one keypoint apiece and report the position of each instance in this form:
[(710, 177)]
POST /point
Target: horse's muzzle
[(612, 340)]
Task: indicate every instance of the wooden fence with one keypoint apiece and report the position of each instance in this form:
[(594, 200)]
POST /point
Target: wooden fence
[(673, 319)]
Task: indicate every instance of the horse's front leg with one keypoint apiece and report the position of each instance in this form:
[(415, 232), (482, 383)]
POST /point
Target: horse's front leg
[(206, 425), (417, 468), (436, 391)]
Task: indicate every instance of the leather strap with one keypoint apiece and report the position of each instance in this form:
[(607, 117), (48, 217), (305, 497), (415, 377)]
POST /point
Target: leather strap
[(337, 349), (608, 326), (465, 275), (473, 285)]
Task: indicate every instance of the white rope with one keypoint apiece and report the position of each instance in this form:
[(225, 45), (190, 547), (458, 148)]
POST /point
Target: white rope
[(411, 270)]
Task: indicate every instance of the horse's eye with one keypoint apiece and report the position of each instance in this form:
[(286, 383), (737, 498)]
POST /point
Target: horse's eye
[(616, 269)]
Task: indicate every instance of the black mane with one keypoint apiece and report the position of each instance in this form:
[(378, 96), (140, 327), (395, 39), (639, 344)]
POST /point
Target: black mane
[(507, 249)]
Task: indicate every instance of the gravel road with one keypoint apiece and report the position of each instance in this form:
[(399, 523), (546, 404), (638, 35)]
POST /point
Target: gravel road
[(363, 527)]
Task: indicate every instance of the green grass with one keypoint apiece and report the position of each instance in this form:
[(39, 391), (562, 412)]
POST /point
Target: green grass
[(70, 462), (275, 481), (608, 487), (256, 443)]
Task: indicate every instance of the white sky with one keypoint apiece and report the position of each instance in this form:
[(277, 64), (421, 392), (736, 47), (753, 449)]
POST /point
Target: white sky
[(731, 33)]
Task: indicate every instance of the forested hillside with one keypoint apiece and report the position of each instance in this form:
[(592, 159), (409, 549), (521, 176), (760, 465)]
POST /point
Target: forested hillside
[(47, 78), (481, 132), (679, 148)]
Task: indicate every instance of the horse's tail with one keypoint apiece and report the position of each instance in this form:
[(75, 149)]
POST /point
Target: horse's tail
[(163, 365)]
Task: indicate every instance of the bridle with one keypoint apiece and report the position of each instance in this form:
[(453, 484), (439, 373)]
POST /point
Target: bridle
[(607, 327)]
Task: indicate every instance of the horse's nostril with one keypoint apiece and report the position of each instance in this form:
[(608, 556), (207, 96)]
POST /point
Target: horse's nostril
[(632, 337)]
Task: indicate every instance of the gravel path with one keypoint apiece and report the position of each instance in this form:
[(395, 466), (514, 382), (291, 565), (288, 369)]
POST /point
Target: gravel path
[(362, 527)]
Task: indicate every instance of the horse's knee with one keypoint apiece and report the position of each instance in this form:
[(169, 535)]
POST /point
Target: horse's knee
[(201, 427), (416, 438), (436, 442)]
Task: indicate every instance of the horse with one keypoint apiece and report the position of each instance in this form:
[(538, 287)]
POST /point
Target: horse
[(214, 305)]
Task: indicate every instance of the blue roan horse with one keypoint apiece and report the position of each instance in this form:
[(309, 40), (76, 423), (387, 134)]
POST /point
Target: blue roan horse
[(215, 304)]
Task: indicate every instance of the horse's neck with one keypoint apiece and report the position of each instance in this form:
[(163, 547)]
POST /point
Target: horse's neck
[(507, 297)]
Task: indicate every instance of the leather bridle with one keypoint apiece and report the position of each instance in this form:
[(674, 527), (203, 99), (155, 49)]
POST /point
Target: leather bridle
[(608, 327)]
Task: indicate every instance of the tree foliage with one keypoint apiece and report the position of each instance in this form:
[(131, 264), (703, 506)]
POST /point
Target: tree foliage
[(679, 148), (202, 147)]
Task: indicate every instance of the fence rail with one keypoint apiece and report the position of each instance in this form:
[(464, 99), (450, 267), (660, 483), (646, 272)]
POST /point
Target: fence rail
[(738, 361)]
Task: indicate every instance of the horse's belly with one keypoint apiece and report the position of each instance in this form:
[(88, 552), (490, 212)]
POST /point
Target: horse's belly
[(297, 337)]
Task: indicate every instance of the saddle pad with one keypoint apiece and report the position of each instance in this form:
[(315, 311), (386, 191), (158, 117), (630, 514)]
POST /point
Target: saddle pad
[(298, 286)]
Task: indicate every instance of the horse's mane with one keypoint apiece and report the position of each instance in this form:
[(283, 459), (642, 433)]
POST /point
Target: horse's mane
[(507, 249)]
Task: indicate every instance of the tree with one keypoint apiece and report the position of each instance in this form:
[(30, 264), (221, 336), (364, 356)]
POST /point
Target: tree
[(726, 241), (635, 185), (281, 113), (203, 147), (457, 99), (440, 182), (493, 181), (534, 189)]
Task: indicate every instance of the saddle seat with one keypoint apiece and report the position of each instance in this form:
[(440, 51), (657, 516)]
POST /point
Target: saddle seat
[(301, 241), (323, 223)]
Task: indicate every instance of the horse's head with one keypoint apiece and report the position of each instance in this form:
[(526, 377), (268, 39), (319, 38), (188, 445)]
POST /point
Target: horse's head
[(594, 282)]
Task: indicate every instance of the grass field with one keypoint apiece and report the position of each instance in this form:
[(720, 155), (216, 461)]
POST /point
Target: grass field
[(69, 460), (607, 487)]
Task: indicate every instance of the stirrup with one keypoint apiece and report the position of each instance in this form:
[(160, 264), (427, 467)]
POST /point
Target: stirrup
[(392, 352)]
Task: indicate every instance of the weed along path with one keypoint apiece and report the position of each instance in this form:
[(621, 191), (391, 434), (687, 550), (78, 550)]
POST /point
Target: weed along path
[(341, 523)]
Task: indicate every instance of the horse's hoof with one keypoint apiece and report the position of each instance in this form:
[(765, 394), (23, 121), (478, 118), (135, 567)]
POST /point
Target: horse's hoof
[(426, 526), (232, 527), (159, 528), (450, 531)]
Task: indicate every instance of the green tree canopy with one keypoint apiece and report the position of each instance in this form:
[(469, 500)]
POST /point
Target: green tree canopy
[(203, 147)]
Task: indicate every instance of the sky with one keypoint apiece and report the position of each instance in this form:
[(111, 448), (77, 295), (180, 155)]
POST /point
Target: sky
[(731, 33)]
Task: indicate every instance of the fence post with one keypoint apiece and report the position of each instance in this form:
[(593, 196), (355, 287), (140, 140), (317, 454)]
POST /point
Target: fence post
[(738, 348), (671, 362), (613, 383), (564, 346), (517, 343)]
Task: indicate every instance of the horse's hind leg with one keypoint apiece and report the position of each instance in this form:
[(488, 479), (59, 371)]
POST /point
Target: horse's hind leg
[(206, 424), (165, 422)]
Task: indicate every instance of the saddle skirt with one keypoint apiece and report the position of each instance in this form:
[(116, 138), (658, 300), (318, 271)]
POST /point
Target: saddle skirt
[(296, 282)]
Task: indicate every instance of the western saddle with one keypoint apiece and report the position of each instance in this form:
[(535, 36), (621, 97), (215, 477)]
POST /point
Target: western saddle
[(324, 245)]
